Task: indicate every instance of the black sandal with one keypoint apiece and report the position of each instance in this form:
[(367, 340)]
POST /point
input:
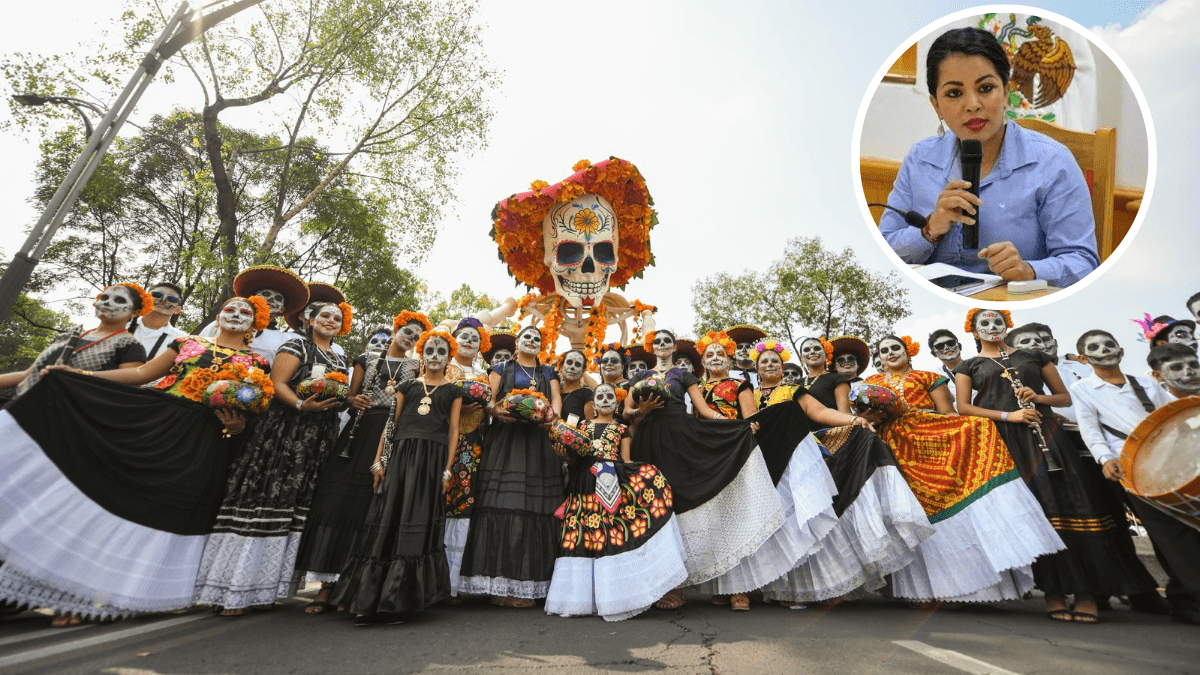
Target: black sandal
[(1063, 614), (1084, 617)]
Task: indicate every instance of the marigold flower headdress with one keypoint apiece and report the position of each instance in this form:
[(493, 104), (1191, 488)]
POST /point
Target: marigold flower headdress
[(612, 347), (347, 317), (716, 337), (770, 346), (969, 326), (436, 333), (262, 311), (406, 317), (517, 220), (911, 348), (485, 340), (826, 346), (145, 302)]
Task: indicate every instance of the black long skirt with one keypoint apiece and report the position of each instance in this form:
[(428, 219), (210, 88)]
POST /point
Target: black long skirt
[(1100, 558), (343, 496), (398, 562)]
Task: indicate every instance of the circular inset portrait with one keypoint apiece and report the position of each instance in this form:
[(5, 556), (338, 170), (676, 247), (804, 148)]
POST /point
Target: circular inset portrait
[(1004, 156)]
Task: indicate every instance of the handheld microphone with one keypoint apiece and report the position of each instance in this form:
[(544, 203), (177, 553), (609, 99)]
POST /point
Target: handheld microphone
[(970, 155), (911, 217)]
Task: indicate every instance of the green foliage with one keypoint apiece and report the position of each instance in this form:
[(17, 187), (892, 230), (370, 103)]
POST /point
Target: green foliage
[(463, 302), (810, 291), (28, 331)]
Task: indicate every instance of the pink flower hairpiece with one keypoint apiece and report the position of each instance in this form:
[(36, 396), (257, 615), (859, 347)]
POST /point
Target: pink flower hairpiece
[(1149, 327)]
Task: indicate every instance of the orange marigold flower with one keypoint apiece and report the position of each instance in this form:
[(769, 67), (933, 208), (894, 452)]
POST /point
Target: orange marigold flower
[(337, 377), (538, 185), (581, 165)]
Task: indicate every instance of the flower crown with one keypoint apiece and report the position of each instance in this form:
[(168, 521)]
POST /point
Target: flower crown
[(262, 311), (612, 347), (716, 337), (406, 317), (347, 317), (437, 333), (910, 347), (1149, 327), (485, 340), (770, 346), (145, 302), (969, 326)]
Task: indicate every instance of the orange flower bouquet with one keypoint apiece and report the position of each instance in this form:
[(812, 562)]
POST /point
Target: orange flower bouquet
[(526, 404), (333, 385), (236, 387)]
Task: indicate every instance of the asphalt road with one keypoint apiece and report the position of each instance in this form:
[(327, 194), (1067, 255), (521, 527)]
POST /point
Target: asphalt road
[(871, 636)]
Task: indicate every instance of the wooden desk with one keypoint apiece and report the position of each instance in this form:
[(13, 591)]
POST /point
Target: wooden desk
[(1000, 294)]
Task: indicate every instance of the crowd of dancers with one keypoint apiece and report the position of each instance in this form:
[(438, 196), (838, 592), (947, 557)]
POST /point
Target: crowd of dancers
[(720, 463)]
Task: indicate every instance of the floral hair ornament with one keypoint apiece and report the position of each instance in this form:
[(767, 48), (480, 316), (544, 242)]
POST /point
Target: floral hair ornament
[(828, 347), (485, 340), (969, 326), (406, 317), (145, 302), (1150, 328), (763, 346), (517, 220), (648, 341), (912, 348), (612, 347), (262, 311), (436, 333), (716, 337), (347, 317)]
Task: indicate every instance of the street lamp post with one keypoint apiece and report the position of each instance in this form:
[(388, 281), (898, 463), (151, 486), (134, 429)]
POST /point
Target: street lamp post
[(35, 100), (177, 33)]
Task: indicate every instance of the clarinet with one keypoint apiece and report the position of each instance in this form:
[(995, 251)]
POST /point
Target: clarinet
[(1052, 463), (368, 380)]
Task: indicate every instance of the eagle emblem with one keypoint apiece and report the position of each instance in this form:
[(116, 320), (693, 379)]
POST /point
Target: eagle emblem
[(1043, 66)]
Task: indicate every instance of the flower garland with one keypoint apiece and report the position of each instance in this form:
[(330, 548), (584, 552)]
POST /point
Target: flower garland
[(969, 326), (255, 376), (340, 378), (593, 337), (406, 317), (438, 333), (648, 343), (517, 220), (716, 337), (262, 311), (638, 308), (772, 346), (611, 347), (145, 302), (347, 317), (528, 392), (549, 331)]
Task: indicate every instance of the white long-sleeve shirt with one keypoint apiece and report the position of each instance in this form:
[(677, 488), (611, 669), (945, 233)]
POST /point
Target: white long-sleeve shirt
[(1098, 402)]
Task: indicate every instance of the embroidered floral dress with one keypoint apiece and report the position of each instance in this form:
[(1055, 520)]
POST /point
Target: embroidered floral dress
[(619, 549), (460, 496), (193, 352), (722, 396)]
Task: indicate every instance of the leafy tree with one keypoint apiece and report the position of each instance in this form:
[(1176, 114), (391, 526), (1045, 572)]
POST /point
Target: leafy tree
[(463, 302), (810, 291), (28, 331)]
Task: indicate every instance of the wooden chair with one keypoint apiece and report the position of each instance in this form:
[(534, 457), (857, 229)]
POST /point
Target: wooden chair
[(1096, 153)]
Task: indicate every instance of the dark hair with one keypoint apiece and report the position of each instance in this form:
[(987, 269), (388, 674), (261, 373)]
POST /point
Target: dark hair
[(1163, 353), (522, 331), (316, 306), (1192, 300), (1092, 333), (969, 41), (795, 366), (941, 332), (664, 330), (563, 357), (1026, 328), (177, 289)]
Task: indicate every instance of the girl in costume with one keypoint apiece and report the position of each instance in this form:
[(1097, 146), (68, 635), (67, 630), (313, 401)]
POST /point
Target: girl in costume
[(102, 515), (344, 492), (879, 521), (989, 528), (108, 346), (510, 547), (612, 363), (727, 506), (398, 560), (619, 549), (284, 292), (1008, 388), (572, 369), (472, 338), (250, 558)]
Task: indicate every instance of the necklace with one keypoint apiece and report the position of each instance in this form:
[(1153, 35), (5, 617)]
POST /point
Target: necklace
[(810, 379), (390, 389), (897, 383), (426, 402)]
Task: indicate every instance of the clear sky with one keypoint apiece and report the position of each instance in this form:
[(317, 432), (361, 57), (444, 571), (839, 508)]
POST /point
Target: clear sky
[(740, 116)]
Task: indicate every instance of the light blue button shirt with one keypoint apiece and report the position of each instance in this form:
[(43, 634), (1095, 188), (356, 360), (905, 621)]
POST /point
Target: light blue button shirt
[(1035, 197)]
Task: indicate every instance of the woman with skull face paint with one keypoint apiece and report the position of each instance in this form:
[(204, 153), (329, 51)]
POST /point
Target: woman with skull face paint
[(108, 346), (869, 522), (345, 488), (989, 528), (140, 507), (1099, 558), (620, 548), (577, 395), (398, 560), (250, 558), (511, 544)]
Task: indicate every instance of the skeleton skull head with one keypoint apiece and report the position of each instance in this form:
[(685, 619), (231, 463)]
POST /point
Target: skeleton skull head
[(604, 399), (946, 348), (846, 365), (237, 316), (1182, 373), (327, 320), (612, 364), (1049, 344), (408, 335), (742, 354), (1182, 335), (468, 341), (1102, 350), (529, 341), (573, 364), (435, 353), (116, 302), (275, 300), (1029, 340), (636, 367), (379, 341), (580, 237), (500, 356), (716, 359), (792, 373), (685, 363), (812, 352), (990, 326), (893, 353), (663, 345)]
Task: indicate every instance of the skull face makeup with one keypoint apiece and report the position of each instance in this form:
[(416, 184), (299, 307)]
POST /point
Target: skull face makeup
[(1049, 344), (580, 237), (408, 335), (636, 367), (812, 353), (529, 342), (275, 300), (1102, 350), (237, 316), (500, 356), (946, 349), (990, 326), (1182, 373), (115, 303), (604, 399), (1182, 335), (328, 321), (893, 353), (435, 353), (1030, 341), (684, 363), (792, 373), (742, 354), (378, 341), (468, 342), (770, 366), (846, 366), (716, 361), (664, 345), (572, 366), (612, 365), (166, 300)]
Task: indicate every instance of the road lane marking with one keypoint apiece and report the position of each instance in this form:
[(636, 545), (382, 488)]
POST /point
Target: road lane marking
[(39, 634), (54, 650), (953, 659)]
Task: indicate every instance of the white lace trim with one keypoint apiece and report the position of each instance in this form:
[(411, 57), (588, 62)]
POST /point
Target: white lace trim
[(620, 586), (732, 525), (322, 577), (60, 548), (807, 491), (877, 535), (504, 588), (456, 543), (238, 571), (981, 554)]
